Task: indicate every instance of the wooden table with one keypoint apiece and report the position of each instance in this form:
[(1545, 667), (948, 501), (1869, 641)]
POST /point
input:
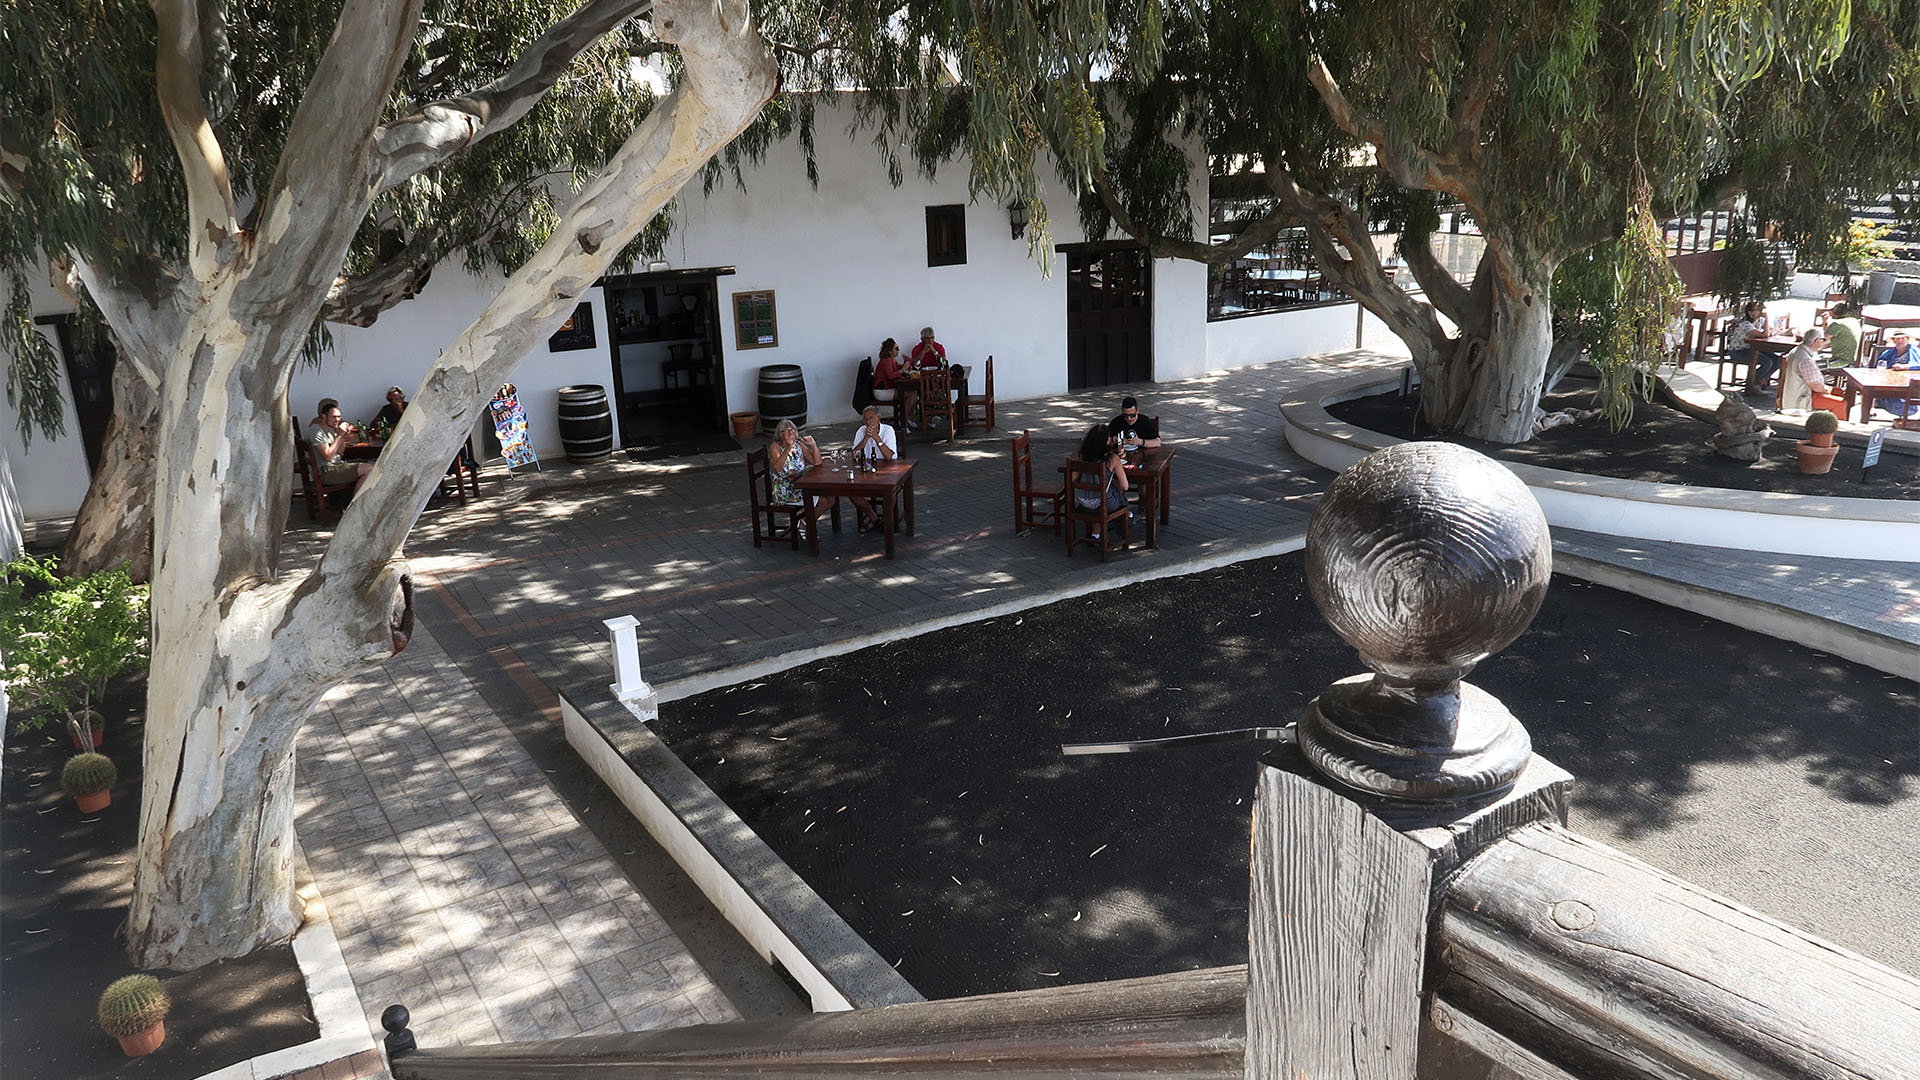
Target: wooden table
[(1873, 384), (1151, 471), (884, 482), (1890, 315)]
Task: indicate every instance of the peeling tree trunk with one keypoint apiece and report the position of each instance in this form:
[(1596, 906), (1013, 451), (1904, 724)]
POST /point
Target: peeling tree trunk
[(1487, 385), (115, 523)]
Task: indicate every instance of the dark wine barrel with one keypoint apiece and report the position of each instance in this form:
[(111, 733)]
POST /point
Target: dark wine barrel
[(586, 426), (783, 396)]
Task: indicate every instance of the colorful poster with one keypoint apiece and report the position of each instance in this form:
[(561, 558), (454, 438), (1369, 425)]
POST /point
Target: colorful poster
[(510, 424)]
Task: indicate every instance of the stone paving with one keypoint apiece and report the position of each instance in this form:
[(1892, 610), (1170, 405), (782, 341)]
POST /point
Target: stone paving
[(457, 876)]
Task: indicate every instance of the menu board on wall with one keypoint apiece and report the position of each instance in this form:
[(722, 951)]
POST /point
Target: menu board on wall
[(753, 321)]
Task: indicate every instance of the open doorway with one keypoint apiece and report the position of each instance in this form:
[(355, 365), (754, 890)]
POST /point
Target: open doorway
[(668, 377)]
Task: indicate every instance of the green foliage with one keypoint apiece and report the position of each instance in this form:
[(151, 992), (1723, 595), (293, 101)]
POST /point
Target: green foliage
[(88, 774), (62, 639), (1749, 267), (1822, 422), (1864, 242), (1620, 296), (131, 1005)]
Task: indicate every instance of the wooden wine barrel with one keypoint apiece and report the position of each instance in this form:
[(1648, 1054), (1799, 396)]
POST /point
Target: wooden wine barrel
[(586, 425), (783, 396)]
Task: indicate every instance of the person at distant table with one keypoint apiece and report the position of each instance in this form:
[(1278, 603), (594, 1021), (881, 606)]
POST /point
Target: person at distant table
[(331, 435), (1096, 447), (886, 379), (929, 355), (789, 455), (388, 417), (1800, 376), (1901, 353), (873, 440), (1843, 335), (1132, 430), (1751, 326)]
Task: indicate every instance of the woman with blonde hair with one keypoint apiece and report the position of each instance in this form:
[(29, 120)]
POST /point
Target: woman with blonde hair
[(789, 455)]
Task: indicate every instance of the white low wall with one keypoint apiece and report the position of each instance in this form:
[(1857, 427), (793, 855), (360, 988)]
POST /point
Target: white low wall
[(1880, 529), (1282, 335)]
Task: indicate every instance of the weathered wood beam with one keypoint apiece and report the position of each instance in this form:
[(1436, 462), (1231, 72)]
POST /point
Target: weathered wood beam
[(1189, 1024), (1589, 959)]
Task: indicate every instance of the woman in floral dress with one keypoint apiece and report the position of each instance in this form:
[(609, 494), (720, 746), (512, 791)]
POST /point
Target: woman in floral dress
[(789, 455)]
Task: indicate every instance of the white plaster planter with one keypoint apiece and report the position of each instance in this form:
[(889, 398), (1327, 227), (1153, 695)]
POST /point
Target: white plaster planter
[(1887, 530)]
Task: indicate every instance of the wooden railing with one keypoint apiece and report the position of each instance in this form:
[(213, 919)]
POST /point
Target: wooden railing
[(1415, 896)]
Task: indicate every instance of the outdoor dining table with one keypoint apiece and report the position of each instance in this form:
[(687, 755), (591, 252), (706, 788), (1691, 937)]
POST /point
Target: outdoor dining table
[(884, 482), (1888, 316), (909, 382), (1873, 384), (1150, 471)]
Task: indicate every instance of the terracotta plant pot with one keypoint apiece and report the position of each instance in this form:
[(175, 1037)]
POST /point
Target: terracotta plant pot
[(1815, 459), (99, 736), (94, 803), (1824, 438), (744, 424), (145, 1042)]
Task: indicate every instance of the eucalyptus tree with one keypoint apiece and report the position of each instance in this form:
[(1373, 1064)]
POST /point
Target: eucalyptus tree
[(213, 265), (1557, 126)]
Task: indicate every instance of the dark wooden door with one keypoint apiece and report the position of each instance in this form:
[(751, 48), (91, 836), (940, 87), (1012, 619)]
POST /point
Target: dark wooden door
[(90, 360), (1109, 317)]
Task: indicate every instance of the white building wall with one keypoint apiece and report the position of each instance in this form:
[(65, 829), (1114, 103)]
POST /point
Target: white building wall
[(1282, 335), (49, 475)]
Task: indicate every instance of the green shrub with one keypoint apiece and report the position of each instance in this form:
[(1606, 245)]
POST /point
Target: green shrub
[(61, 639), (1822, 422), (131, 1005), (88, 774)]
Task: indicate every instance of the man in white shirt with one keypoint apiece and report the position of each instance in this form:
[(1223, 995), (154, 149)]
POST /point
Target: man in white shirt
[(874, 440)]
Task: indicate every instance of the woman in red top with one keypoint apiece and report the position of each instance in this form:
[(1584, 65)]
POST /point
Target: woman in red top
[(888, 374)]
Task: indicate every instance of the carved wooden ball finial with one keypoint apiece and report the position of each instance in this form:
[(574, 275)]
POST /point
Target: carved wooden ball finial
[(1426, 558)]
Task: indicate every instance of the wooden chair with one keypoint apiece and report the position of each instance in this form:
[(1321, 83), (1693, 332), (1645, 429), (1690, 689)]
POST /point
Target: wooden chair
[(1026, 494), (303, 475), (766, 512), (464, 470), (317, 503), (1714, 346), (936, 400), (979, 404), (1087, 483)]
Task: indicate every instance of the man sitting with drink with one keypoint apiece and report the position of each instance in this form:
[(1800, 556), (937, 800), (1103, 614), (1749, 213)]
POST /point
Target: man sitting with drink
[(1131, 430), (874, 443), (331, 435)]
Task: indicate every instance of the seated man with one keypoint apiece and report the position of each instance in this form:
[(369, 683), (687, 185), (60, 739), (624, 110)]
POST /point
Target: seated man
[(1843, 335), (1130, 429), (389, 416), (875, 442), (1800, 376), (331, 434), (929, 354), (1900, 353)]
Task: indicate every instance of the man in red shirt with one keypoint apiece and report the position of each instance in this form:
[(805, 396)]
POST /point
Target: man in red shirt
[(929, 353)]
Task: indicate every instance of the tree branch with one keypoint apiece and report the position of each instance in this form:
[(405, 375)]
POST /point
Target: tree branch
[(1328, 222), (729, 75), (1254, 236), (410, 146), (147, 327), (1410, 166), (211, 218), (1443, 291), (1470, 105)]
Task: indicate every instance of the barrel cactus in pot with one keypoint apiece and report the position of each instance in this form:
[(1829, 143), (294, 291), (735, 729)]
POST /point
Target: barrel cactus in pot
[(1817, 451), (89, 778), (134, 1010)]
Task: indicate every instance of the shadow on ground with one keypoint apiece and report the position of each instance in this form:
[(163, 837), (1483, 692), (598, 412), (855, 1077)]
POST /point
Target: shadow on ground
[(919, 787)]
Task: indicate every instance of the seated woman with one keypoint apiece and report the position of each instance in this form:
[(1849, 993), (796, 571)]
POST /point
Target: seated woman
[(789, 455), (886, 374), (1740, 349), (1097, 446), (330, 435)]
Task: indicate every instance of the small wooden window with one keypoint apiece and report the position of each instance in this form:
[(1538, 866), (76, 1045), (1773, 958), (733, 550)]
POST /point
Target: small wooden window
[(753, 321), (946, 235)]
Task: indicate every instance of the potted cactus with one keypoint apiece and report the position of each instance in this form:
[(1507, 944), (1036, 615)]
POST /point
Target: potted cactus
[(1817, 451), (134, 1010), (89, 779)]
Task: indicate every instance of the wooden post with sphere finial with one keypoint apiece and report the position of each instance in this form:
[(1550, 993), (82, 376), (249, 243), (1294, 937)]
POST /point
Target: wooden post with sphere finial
[(1426, 558)]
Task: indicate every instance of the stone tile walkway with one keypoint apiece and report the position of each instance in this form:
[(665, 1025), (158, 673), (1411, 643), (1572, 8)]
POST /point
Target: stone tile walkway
[(460, 884)]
